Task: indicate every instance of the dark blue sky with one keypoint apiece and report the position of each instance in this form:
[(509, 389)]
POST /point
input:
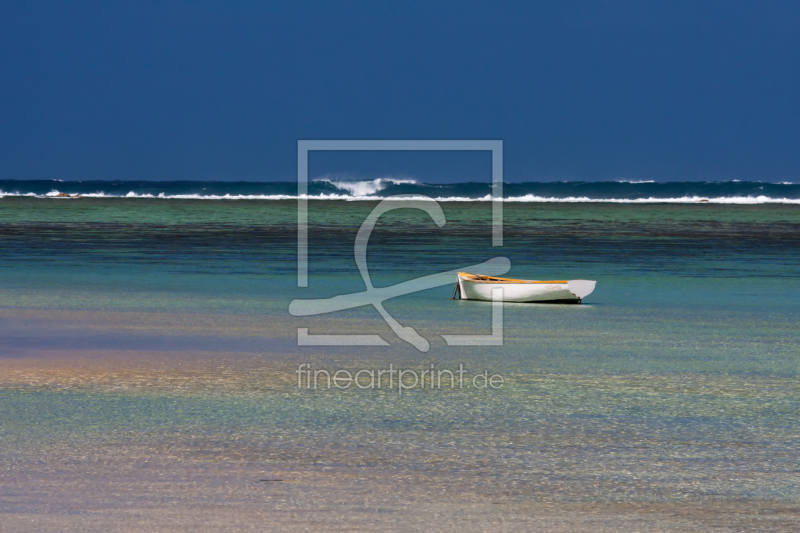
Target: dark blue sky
[(223, 90)]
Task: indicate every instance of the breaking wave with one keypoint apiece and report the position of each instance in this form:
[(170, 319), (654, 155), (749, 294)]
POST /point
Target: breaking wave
[(635, 192), (365, 188)]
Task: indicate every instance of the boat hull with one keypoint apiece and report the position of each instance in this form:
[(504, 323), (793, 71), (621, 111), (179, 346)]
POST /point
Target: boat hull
[(572, 291)]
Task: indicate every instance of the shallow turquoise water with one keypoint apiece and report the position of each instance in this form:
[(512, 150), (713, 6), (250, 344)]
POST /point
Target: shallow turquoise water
[(676, 382)]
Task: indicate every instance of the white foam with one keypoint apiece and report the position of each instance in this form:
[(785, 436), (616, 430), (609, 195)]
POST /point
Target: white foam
[(366, 188), (681, 200), (4, 193), (529, 198)]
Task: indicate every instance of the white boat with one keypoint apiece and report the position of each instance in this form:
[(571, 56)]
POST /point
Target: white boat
[(476, 287)]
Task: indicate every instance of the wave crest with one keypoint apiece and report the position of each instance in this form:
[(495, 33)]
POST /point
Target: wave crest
[(365, 188), (329, 188)]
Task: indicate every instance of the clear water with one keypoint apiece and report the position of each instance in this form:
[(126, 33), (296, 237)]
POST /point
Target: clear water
[(148, 370)]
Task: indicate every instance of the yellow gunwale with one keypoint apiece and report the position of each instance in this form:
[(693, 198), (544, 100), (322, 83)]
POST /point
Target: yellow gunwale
[(475, 278)]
